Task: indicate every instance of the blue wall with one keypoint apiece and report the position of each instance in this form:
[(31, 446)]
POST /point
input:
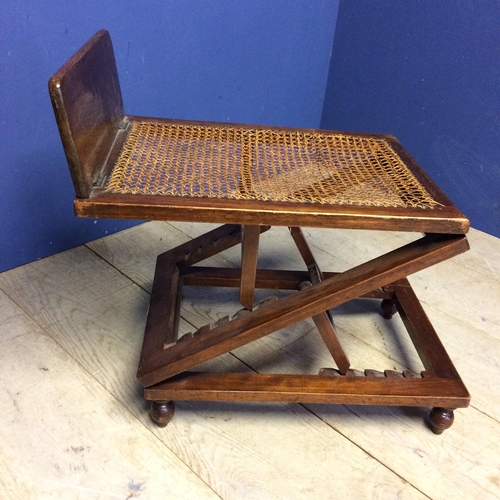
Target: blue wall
[(259, 61), (429, 73)]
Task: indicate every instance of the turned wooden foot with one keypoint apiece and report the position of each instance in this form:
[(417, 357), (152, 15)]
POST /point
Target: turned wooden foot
[(441, 419), (162, 412), (388, 308)]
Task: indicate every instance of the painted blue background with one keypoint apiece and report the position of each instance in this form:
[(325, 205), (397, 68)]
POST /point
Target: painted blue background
[(259, 61), (427, 72)]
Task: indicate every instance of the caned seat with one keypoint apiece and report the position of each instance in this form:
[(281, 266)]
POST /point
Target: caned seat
[(250, 178)]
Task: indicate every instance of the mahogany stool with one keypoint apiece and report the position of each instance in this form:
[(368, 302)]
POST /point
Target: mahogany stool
[(250, 178)]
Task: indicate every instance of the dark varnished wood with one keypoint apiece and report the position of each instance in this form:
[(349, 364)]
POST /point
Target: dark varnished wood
[(265, 278), (249, 256), (307, 303), (311, 389), (441, 419), (388, 307), (162, 412), (166, 295), (323, 320), (88, 106), (164, 307), (430, 349), (326, 329), (175, 208)]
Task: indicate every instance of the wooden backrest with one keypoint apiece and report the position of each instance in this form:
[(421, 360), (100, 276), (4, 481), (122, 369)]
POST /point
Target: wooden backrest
[(88, 105)]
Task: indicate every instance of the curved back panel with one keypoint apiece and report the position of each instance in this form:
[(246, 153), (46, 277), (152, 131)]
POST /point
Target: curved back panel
[(88, 105)]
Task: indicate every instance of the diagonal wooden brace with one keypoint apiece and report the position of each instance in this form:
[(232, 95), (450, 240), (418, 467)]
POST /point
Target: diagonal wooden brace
[(429, 348), (323, 320)]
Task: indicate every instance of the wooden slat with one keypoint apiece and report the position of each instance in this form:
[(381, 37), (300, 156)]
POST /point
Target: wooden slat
[(225, 211), (324, 324), (327, 332), (230, 277), (312, 389), (264, 278)]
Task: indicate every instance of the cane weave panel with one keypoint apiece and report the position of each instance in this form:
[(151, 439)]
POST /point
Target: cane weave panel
[(254, 164)]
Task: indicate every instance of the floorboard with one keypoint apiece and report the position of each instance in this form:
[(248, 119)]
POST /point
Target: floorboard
[(65, 436)]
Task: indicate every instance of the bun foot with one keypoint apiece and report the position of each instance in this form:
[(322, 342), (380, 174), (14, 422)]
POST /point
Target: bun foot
[(162, 412), (388, 308), (440, 419)]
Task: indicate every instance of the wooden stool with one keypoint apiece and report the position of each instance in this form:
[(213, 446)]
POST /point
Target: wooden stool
[(250, 178)]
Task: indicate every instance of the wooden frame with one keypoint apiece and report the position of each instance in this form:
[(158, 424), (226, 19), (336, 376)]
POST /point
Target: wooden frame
[(88, 106), (165, 363)]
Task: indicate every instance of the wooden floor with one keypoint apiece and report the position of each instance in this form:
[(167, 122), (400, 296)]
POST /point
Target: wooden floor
[(74, 424)]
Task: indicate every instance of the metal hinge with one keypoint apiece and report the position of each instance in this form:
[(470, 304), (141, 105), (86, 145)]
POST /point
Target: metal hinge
[(124, 123), (100, 180)]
